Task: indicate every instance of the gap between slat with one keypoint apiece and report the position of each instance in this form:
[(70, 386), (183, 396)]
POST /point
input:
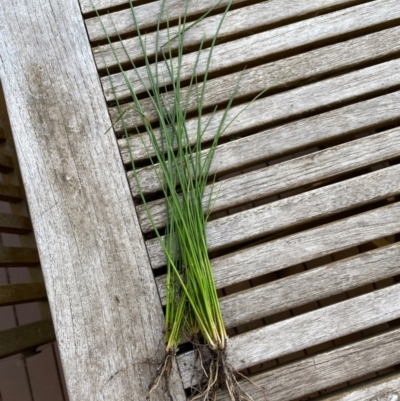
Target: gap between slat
[(306, 330), (288, 138), (304, 99), (256, 16), (289, 175), (244, 51), (277, 75)]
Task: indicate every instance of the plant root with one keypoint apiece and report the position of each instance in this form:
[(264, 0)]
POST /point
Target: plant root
[(218, 374), (163, 374)]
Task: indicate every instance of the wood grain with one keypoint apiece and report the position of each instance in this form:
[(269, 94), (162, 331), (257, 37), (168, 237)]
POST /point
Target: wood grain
[(384, 388), (272, 256), (326, 369), (297, 102), (287, 72), (296, 210), (278, 213), (306, 330), (246, 50), (13, 224), (87, 5), (289, 175), (316, 284), (308, 170), (105, 307), (26, 337), (307, 245), (12, 294), (256, 16), (147, 16), (18, 257), (306, 66), (301, 288)]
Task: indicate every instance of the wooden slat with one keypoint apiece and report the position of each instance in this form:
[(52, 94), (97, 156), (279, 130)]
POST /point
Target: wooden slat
[(244, 51), (309, 286), (11, 193), (291, 71), (25, 337), (18, 257), (265, 181), (13, 224), (325, 370), (2, 135), (384, 388), (315, 327), (292, 291), (311, 244), (288, 138), (295, 103), (147, 16), (100, 286), (6, 163), (87, 5), (289, 175), (306, 170), (19, 293), (266, 219), (306, 330), (323, 202), (251, 17)]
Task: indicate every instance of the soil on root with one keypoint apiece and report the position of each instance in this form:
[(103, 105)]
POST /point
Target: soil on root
[(218, 374)]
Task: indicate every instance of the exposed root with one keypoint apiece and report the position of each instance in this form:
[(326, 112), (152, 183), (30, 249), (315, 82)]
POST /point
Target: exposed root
[(163, 374), (219, 374)]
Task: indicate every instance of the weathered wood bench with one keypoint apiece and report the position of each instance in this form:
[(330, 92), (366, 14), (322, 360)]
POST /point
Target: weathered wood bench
[(305, 225)]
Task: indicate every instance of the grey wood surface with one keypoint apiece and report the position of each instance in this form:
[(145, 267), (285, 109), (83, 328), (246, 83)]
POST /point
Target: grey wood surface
[(295, 103), (87, 5), (287, 293), (147, 16), (106, 311), (326, 369), (302, 208), (313, 285), (306, 330), (272, 256), (278, 178), (386, 388), (278, 74), (306, 245), (245, 50), (238, 23), (283, 177), (289, 71)]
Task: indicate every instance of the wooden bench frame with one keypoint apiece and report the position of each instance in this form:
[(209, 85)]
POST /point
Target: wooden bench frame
[(104, 302), (105, 307)]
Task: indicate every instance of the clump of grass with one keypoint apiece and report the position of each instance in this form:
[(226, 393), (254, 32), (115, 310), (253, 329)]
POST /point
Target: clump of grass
[(192, 305)]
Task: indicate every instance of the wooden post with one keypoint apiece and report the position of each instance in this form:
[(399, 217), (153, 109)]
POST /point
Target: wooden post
[(105, 307)]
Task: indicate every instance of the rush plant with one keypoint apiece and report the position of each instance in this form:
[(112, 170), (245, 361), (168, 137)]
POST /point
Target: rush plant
[(181, 164)]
